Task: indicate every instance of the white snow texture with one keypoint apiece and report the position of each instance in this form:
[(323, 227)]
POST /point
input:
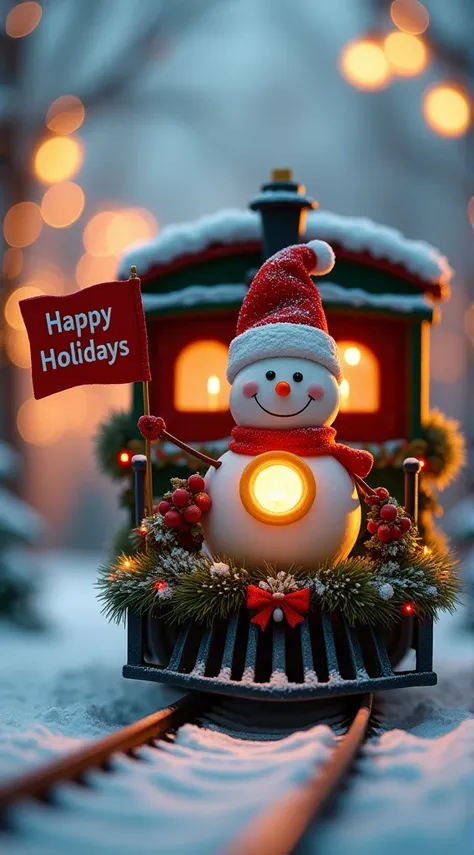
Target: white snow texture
[(234, 226), (414, 792)]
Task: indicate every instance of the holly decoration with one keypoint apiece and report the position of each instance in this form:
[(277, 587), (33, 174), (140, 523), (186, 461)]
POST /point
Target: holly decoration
[(386, 520), (182, 509)]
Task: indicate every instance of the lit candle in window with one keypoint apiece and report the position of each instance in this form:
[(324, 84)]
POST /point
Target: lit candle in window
[(213, 389)]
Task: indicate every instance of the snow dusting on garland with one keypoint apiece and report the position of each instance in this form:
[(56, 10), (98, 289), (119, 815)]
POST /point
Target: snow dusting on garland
[(168, 572)]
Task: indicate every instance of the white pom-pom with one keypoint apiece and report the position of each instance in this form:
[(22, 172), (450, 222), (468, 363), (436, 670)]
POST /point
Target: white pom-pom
[(325, 258)]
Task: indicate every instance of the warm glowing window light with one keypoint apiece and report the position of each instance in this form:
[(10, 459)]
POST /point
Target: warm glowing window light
[(447, 110), (23, 19), (363, 64), (65, 115), (277, 488), (410, 16), (406, 54), (58, 159), (200, 384), (360, 388)]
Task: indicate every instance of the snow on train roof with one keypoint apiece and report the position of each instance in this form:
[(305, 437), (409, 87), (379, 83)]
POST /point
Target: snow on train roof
[(234, 226)]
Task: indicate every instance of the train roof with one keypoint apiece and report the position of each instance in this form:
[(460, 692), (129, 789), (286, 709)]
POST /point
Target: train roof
[(356, 239)]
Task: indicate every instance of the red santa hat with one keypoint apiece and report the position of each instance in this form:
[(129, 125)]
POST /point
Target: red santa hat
[(282, 313)]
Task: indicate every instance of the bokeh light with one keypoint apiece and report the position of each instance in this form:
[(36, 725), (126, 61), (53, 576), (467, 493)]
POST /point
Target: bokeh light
[(447, 110), (17, 347), (410, 16), (112, 232), (58, 159), (363, 64), (90, 270), (65, 115), (406, 54), (12, 262), (39, 422), (12, 311), (23, 19), (62, 204), (22, 224)]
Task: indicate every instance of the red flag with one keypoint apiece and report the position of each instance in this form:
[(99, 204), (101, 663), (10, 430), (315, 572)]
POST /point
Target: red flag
[(97, 335)]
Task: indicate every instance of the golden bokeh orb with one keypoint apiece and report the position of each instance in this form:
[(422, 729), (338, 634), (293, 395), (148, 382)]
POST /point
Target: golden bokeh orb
[(447, 110), (58, 159), (65, 115), (407, 54), (363, 64), (22, 224), (410, 16), (62, 204), (22, 19)]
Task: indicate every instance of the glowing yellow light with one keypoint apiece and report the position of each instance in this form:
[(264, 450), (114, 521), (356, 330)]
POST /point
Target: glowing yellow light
[(447, 110), (200, 383), (62, 204), (127, 563), (426, 550), (65, 115), (277, 488), (344, 389), (124, 457), (58, 159), (12, 262), (40, 422), (91, 270), (364, 64), (23, 19), (410, 16), (22, 224), (128, 227), (352, 355), (406, 54), (12, 308), (17, 347)]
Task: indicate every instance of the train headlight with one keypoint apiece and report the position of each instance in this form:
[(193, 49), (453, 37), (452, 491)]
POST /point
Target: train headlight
[(277, 488)]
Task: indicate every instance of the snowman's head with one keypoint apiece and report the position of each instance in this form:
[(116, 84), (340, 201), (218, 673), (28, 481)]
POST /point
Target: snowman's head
[(284, 392)]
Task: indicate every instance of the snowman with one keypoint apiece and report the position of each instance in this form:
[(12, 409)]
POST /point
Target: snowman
[(284, 492)]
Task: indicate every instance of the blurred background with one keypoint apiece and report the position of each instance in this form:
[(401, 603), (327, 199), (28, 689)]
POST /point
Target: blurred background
[(118, 117)]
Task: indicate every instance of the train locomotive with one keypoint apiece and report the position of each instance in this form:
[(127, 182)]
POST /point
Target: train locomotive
[(279, 572)]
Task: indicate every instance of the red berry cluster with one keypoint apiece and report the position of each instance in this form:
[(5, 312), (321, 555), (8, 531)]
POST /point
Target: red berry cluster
[(386, 520), (184, 506)]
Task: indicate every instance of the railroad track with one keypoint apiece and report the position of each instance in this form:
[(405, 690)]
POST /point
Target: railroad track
[(276, 830)]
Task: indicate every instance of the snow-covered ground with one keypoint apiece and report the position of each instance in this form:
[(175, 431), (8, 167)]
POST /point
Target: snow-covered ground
[(415, 792)]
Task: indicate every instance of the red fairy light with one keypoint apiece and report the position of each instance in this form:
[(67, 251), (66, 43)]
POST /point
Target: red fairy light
[(124, 458), (142, 530), (408, 608), (160, 585), (422, 463)]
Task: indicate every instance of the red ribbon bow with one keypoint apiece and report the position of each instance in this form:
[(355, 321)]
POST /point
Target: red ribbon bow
[(294, 605)]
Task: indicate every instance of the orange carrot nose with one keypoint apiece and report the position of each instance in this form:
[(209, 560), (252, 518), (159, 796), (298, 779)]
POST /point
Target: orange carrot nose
[(283, 388)]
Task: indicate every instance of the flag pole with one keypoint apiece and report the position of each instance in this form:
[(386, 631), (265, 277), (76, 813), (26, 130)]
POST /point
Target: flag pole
[(146, 412)]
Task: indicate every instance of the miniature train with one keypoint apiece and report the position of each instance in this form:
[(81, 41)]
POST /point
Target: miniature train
[(282, 602)]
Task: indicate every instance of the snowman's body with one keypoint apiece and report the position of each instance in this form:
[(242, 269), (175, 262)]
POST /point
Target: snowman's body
[(283, 393)]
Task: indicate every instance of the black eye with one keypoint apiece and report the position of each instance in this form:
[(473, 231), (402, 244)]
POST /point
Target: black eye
[(270, 375), (297, 376)]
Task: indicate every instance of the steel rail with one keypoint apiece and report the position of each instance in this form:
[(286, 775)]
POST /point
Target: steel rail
[(278, 828), (39, 782)]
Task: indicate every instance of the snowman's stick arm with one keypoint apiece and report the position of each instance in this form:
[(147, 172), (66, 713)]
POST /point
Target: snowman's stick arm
[(185, 447), (363, 486)]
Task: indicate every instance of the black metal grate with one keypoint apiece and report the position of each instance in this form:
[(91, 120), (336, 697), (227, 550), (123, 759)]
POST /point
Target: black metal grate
[(322, 656)]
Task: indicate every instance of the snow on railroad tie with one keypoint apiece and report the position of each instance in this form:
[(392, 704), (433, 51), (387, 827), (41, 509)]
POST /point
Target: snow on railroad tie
[(191, 796)]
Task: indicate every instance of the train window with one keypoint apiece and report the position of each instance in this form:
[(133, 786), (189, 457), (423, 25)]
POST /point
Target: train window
[(360, 388), (200, 384)]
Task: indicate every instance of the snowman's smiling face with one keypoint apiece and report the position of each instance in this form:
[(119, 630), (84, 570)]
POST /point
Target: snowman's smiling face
[(284, 392)]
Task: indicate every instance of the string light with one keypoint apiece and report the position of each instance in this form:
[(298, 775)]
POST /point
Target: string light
[(447, 110), (160, 585), (12, 312), (12, 262), (410, 16), (124, 458), (58, 159), (408, 608), (352, 355), (22, 224), (406, 54), (363, 64), (62, 204), (65, 115), (23, 19)]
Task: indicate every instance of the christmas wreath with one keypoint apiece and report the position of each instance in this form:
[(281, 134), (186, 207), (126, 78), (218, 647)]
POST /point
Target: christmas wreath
[(166, 570)]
